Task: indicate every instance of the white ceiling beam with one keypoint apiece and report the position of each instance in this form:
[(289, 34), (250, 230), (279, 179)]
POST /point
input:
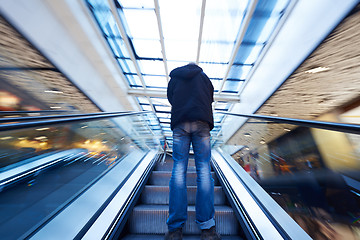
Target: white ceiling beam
[(158, 93), (114, 10), (244, 27), (200, 30), (161, 34)]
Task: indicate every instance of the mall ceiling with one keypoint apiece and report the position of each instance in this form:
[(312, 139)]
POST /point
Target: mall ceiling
[(303, 95)]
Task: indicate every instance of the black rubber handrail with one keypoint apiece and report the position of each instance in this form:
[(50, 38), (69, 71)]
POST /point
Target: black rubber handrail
[(23, 119), (334, 126), (16, 126)]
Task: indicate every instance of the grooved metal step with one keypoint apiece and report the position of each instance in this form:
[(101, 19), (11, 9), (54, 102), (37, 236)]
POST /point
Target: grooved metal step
[(161, 237), (168, 165), (162, 178), (142, 215), (160, 195)]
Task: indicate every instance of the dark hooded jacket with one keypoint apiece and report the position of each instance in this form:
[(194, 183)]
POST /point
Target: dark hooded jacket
[(190, 93)]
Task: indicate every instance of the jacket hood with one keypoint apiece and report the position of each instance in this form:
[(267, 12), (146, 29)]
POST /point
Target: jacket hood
[(186, 72)]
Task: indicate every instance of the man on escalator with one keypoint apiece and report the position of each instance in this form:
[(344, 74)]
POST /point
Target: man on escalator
[(190, 93)]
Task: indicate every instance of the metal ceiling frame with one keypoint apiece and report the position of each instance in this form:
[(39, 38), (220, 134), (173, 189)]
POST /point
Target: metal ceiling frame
[(114, 9), (162, 94), (239, 40)]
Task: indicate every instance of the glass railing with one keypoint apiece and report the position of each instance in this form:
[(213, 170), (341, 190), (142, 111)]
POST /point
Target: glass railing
[(310, 168), (46, 163)]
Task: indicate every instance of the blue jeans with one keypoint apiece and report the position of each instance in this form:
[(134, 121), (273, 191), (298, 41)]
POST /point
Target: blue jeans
[(197, 133)]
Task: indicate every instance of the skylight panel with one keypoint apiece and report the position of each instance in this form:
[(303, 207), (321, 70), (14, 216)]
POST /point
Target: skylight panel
[(106, 21), (174, 64), (118, 47), (216, 84), (163, 115), (218, 118), (133, 80), (146, 107), (239, 72), (98, 3), (143, 100), (165, 120), (216, 51), (231, 86), (223, 21), (152, 67), (147, 48), (180, 19), (221, 27), (184, 50), (163, 108), (248, 54), (280, 6), (268, 29), (160, 101), (155, 81), (127, 66), (142, 23), (136, 3), (214, 70)]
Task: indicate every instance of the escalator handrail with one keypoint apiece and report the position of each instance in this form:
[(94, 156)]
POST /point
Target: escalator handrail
[(28, 118), (16, 126), (334, 126)]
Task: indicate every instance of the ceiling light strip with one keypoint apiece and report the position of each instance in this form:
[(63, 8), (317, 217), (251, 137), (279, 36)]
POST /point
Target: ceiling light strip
[(201, 30), (244, 27), (113, 9), (157, 11)]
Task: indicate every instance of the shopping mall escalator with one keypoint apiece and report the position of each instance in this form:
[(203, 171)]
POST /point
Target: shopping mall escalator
[(83, 177), (148, 218)]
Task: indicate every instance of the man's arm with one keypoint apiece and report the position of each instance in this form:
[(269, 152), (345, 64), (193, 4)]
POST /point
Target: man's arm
[(170, 91)]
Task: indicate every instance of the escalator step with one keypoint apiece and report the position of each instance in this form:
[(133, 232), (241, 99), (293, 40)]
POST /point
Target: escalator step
[(151, 219), (169, 166), (160, 195), (162, 178), (161, 237)]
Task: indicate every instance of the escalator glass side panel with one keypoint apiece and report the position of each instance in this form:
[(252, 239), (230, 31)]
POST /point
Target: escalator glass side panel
[(313, 174), (256, 221), (59, 163)]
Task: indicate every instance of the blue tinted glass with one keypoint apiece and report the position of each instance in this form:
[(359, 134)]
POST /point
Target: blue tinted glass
[(260, 29), (127, 66), (248, 54), (239, 72), (133, 80), (231, 86)]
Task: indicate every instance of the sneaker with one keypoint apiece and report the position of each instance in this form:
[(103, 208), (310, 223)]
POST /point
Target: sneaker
[(175, 235), (210, 234)]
